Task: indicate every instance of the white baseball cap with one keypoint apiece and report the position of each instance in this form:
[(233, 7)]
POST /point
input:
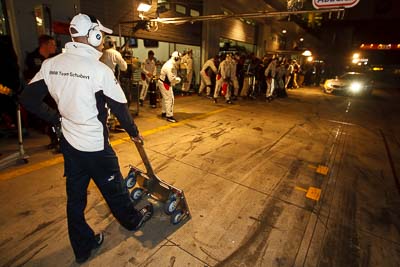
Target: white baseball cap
[(83, 23)]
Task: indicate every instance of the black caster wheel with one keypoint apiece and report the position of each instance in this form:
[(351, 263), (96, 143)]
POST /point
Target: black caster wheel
[(130, 180), (170, 206), (22, 161), (177, 217), (137, 194)]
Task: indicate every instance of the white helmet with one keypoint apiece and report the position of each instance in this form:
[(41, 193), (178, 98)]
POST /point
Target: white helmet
[(176, 55)]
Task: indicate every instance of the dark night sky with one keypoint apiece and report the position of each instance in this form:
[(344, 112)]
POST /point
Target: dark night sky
[(376, 21)]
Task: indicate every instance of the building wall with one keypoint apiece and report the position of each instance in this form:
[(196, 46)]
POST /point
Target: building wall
[(113, 13), (232, 29), (120, 15), (23, 24), (237, 30)]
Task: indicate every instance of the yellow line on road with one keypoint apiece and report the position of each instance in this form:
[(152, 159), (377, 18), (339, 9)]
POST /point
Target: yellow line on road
[(300, 189), (59, 159), (31, 168)]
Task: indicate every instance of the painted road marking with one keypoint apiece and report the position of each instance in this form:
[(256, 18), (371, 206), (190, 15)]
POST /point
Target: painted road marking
[(300, 189), (59, 159), (31, 168), (312, 192), (342, 122), (168, 126), (321, 169)]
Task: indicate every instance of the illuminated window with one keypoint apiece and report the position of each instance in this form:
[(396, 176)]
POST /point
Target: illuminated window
[(194, 13), (163, 5), (180, 9)]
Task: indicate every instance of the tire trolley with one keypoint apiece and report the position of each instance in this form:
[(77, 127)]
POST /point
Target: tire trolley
[(148, 184)]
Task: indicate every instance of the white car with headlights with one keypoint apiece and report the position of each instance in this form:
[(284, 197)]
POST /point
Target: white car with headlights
[(351, 83)]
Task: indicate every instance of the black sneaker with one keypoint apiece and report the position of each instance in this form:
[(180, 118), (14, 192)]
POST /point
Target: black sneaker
[(147, 213), (229, 102), (215, 100), (141, 102), (99, 238), (171, 119), (52, 145), (57, 149), (163, 115)]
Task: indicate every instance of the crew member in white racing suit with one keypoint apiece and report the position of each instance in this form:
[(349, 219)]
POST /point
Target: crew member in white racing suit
[(234, 79), (223, 76), (149, 70), (204, 75), (270, 73), (169, 78), (187, 61), (114, 60), (82, 86)]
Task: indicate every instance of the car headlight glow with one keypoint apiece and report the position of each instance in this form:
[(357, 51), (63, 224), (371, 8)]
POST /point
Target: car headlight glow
[(355, 87)]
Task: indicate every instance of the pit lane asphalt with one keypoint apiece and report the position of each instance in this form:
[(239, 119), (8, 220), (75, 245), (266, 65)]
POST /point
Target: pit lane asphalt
[(301, 181)]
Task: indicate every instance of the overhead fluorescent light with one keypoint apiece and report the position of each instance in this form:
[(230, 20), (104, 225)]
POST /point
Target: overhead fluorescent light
[(144, 6)]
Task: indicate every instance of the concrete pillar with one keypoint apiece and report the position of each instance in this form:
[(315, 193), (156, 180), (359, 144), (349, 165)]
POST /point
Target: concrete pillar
[(211, 31)]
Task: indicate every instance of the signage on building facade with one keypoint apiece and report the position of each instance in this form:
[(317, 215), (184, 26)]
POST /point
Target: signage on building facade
[(318, 4)]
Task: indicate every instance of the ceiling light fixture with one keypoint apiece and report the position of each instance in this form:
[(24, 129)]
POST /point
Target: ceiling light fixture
[(307, 53), (144, 6)]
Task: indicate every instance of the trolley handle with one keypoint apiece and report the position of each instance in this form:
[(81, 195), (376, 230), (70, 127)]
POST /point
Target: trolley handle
[(138, 139), (140, 147)]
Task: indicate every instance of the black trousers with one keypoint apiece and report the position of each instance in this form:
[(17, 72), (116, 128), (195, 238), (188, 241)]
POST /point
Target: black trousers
[(103, 168)]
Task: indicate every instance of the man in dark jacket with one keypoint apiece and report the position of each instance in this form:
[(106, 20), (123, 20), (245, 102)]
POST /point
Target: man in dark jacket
[(33, 62)]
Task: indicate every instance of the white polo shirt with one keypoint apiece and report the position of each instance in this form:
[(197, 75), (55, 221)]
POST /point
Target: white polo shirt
[(112, 58), (76, 79)]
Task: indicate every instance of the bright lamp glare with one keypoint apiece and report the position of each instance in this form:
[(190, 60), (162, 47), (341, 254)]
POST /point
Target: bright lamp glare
[(355, 87), (356, 55), (143, 7)]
